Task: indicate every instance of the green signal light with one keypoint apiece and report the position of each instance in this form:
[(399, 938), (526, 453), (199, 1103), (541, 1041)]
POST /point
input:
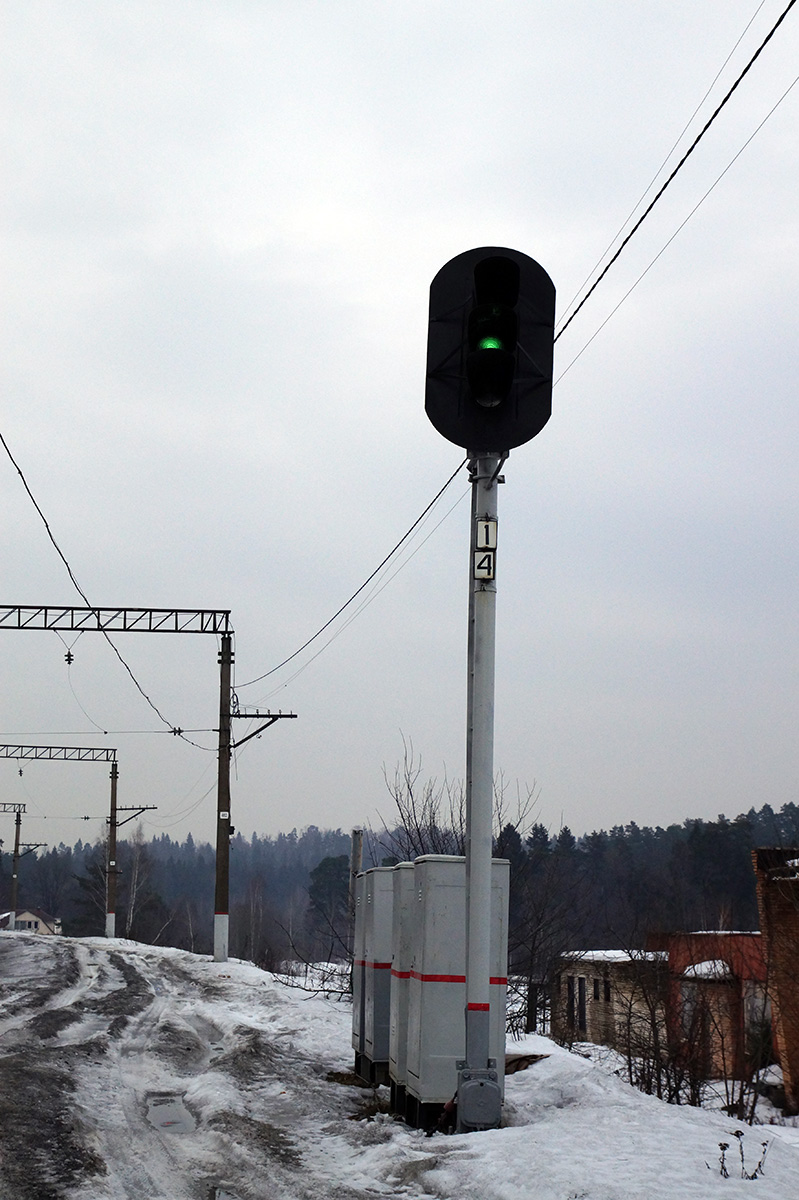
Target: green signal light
[(490, 343)]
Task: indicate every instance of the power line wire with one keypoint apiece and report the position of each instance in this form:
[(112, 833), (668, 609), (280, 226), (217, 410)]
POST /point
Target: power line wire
[(82, 732), (186, 812), (587, 344), (89, 718), (365, 583), (651, 183), (681, 226), (584, 348), (372, 595), (568, 322), (618, 252), (678, 167)]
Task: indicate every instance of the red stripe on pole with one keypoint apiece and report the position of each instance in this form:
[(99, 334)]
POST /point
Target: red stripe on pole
[(479, 1007), (438, 978), (498, 979), (400, 974)]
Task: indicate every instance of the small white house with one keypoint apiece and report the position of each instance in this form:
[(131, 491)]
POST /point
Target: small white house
[(31, 921)]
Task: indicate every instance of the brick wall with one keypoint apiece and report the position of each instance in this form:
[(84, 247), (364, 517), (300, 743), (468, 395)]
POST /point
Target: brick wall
[(777, 877)]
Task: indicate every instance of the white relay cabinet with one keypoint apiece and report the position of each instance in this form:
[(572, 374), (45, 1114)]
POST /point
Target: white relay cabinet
[(437, 980), (402, 950), (373, 962), (358, 972)]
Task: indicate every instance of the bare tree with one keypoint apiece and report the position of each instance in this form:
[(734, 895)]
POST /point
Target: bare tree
[(430, 816), (137, 876), (545, 905), (431, 819)]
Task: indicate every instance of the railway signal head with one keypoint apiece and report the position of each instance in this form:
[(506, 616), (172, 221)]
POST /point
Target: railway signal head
[(489, 349)]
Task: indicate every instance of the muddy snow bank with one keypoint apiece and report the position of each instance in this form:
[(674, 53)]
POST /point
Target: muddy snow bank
[(155, 1073)]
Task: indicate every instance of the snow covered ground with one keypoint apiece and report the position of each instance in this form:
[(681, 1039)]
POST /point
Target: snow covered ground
[(130, 1071)]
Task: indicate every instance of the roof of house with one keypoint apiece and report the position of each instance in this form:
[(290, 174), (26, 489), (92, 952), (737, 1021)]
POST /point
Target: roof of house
[(711, 968), (610, 956), (39, 913)]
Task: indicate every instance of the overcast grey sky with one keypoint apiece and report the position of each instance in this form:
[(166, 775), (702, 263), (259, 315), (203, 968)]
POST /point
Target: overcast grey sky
[(220, 225)]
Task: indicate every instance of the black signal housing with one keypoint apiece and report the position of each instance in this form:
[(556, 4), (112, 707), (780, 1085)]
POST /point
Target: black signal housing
[(490, 349)]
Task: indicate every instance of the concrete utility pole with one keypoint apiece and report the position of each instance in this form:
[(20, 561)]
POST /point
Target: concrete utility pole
[(224, 830), (111, 860), (12, 920), (86, 754), (147, 620), (162, 620), (223, 827), (111, 869), (20, 850)]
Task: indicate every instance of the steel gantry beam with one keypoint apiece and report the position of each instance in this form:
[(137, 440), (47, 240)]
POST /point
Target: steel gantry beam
[(71, 754), (161, 620), (20, 850), (115, 620), (59, 753)]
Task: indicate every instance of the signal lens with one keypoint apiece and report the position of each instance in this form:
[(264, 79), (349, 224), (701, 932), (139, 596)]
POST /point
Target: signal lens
[(490, 343)]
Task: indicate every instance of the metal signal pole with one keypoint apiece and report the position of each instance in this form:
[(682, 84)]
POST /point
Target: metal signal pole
[(477, 1079), (224, 829), (489, 384), (480, 752)]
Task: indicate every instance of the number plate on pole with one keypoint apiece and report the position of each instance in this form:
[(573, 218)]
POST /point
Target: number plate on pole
[(486, 535), (485, 545), (484, 564)]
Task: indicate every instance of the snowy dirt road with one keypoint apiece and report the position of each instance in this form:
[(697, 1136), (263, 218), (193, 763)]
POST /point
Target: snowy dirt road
[(130, 1071)]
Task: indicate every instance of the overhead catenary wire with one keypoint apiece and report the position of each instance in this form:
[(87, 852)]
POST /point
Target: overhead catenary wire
[(27, 790), (88, 603), (106, 732), (68, 658), (89, 718), (578, 308), (181, 814), (190, 807), (50, 817), (678, 168)]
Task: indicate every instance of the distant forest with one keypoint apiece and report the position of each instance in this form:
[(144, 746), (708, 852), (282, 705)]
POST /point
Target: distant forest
[(606, 889)]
